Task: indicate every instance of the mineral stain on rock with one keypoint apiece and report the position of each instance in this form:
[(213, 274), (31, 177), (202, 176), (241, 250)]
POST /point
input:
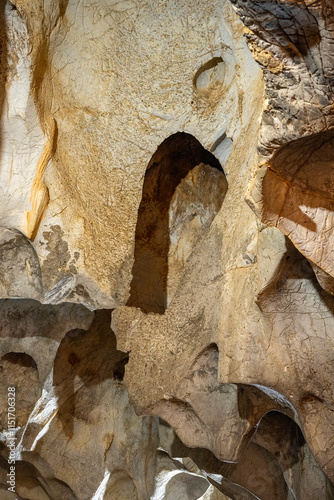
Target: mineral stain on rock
[(228, 331), (57, 264)]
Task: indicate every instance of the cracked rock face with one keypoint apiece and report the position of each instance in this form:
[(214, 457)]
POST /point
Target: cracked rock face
[(166, 264)]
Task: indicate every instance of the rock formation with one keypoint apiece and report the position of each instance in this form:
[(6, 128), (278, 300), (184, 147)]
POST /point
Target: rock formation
[(166, 263)]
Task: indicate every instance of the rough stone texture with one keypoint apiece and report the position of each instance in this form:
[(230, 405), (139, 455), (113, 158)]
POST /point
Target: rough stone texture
[(166, 263), (147, 75)]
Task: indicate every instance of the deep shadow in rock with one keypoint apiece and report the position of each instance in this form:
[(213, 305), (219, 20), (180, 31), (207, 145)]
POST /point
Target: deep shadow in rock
[(170, 164), (301, 175), (32, 482), (18, 370), (277, 447), (20, 359), (90, 356)]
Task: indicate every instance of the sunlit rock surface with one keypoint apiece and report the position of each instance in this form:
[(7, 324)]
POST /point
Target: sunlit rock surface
[(166, 262)]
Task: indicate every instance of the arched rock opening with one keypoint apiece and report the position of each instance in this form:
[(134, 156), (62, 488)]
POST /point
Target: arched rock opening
[(184, 188)]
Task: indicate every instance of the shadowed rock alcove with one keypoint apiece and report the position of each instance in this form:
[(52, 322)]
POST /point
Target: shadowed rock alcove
[(133, 286), (184, 188)]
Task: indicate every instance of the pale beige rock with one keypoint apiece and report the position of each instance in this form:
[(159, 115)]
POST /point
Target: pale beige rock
[(154, 164), (143, 87)]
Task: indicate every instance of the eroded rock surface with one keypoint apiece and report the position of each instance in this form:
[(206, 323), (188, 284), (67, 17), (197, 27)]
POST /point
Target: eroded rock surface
[(166, 263)]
